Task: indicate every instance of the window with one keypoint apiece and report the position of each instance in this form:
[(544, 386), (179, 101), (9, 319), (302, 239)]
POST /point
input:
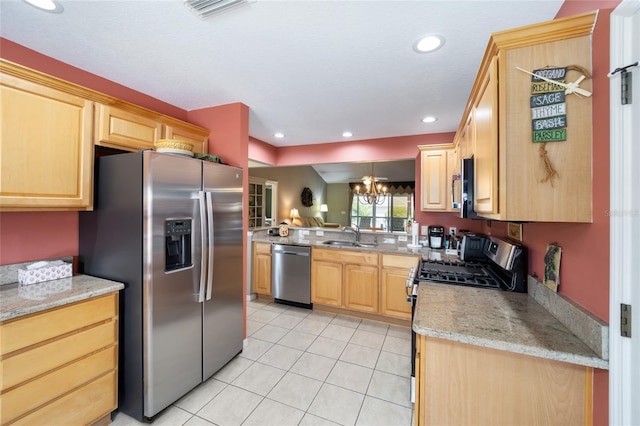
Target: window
[(391, 215)]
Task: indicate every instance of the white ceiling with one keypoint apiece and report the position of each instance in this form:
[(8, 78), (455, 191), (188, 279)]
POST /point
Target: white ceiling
[(309, 69)]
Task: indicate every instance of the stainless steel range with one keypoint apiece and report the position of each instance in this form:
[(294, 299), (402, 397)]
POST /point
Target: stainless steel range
[(502, 265)]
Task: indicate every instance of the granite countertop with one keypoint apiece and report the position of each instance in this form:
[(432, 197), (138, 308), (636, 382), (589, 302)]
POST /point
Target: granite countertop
[(512, 322), (17, 300), (380, 247)]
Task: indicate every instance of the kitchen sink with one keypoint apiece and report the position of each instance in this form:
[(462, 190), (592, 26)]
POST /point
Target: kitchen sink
[(339, 243), (348, 244), (365, 245)]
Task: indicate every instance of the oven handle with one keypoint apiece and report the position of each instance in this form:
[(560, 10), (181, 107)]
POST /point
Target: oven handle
[(409, 284)]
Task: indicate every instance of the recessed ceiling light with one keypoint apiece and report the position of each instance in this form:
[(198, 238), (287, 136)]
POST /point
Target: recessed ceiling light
[(429, 119), (428, 43), (347, 134), (46, 5), (279, 135)]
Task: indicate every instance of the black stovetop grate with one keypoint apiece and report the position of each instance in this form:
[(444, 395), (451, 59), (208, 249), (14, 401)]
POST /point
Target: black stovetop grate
[(460, 273)]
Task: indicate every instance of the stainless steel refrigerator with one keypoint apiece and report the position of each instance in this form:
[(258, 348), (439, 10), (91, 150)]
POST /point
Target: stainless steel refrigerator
[(170, 228)]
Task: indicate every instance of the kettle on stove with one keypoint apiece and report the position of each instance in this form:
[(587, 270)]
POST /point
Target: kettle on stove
[(436, 236)]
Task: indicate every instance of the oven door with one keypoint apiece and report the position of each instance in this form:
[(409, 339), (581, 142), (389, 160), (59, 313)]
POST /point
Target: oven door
[(412, 297), (412, 390)]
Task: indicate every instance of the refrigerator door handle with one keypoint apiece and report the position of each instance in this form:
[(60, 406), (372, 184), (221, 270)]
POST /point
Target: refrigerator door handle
[(203, 246), (210, 242)]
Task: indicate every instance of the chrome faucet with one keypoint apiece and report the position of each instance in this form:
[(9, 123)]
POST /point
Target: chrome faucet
[(355, 229)]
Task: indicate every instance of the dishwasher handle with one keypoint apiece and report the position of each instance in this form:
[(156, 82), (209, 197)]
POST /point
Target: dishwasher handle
[(295, 253), (290, 250)]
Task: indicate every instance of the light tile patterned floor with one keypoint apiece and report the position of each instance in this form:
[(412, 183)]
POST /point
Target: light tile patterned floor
[(304, 368)]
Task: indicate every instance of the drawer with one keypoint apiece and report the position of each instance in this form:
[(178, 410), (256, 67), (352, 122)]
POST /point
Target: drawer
[(262, 248), (344, 256), (81, 407), (26, 365), (25, 331), (393, 261), (33, 394)]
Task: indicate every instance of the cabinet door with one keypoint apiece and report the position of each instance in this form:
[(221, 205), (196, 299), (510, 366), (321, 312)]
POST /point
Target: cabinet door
[(433, 179), (467, 138), (326, 283), (198, 137), (533, 391), (46, 153), (262, 268), (486, 143), (361, 288), (394, 293), (393, 276), (125, 130)]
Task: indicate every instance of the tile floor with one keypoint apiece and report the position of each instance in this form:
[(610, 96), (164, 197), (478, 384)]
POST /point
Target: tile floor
[(304, 368)]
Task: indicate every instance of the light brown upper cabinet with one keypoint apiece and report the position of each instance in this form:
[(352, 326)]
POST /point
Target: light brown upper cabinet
[(198, 136), (131, 129), (485, 113), (46, 147), (120, 129), (438, 164), (49, 128), (518, 178)]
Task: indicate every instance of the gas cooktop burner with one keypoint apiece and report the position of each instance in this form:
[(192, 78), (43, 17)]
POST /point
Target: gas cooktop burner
[(503, 266), (467, 273)]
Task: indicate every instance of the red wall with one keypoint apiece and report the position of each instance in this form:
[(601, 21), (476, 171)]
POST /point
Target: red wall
[(395, 148)]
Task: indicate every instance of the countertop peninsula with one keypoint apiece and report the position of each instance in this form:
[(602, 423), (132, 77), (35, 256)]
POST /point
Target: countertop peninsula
[(512, 322)]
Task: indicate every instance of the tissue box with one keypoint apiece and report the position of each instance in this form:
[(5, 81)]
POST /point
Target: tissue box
[(44, 271)]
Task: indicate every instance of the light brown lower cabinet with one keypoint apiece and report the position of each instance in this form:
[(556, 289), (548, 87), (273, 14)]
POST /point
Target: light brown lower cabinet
[(345, 279), (368, 282), (60, 366), (261, 268), (394, 270), (464, 384)]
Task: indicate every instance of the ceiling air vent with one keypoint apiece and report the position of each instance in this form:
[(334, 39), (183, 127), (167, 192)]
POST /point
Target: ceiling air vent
[(206, 8)]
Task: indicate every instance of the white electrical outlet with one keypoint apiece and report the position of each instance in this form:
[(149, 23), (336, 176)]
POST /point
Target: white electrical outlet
[(304, 232), (319, 233), (453, 230), (402, 238), (424, 230)]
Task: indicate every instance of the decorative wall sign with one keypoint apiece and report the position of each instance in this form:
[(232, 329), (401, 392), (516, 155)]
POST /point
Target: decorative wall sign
[(514, 231), (552, 266), (548, 105), (549, 109)]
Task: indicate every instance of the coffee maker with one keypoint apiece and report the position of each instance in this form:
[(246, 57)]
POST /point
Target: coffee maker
[(436, 236)]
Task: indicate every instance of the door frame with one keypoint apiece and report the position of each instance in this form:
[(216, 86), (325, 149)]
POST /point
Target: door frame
[(624, 215)]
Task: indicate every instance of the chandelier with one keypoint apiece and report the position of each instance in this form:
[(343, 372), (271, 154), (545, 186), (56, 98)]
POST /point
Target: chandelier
[(374, 191)]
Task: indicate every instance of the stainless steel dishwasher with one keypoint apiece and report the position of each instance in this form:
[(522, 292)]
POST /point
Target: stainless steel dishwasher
[(291, 274)]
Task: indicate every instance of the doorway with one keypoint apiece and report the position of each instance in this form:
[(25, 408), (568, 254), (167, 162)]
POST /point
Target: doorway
[(271, 203), (624, 351)]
